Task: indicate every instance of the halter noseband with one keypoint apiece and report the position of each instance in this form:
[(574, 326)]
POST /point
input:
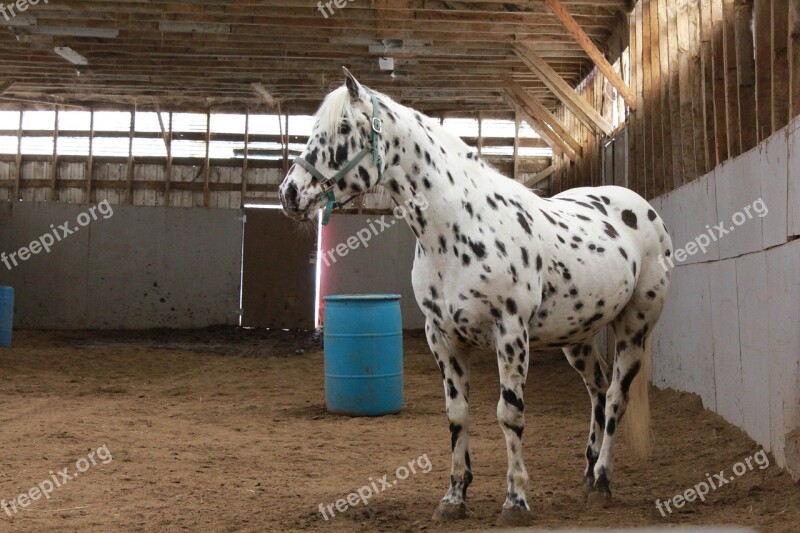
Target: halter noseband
[(329, 183)]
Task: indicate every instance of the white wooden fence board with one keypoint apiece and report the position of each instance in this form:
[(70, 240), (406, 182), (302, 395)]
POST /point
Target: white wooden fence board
[(794, 177), (751, 279), (738, 186), (783, 283), (774, 185), (725, 335)]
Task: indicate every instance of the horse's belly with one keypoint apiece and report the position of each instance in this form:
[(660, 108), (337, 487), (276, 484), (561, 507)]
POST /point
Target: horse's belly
[(578, 308)]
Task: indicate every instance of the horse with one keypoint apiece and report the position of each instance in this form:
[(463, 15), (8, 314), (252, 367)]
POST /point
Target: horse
[(499, 268)]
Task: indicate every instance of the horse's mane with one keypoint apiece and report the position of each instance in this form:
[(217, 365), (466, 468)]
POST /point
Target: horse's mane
[(337, 106), (334, 108)]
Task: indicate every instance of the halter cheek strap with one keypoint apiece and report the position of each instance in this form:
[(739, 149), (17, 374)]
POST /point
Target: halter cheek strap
[(328, 184)]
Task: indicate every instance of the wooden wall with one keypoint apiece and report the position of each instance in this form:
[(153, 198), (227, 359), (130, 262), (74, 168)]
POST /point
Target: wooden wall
[(713, 78)]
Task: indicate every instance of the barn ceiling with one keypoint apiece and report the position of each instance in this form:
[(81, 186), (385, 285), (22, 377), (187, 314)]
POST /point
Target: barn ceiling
[(237, 54)]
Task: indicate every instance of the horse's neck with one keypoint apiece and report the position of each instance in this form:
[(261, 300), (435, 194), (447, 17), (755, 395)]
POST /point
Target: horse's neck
[(436, 169)]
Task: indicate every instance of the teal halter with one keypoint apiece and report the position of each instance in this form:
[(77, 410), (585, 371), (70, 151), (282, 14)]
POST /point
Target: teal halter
[(329, 183)]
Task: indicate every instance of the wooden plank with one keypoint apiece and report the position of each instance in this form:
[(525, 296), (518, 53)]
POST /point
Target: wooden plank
[(207, 165), (794, 58), (687, 113), (707, 69), (544, 174), (675, 111), (246, 155), (555, 142), (641, 113), (480, 134), (18, 157), (129, 185), (633, 121), (665, 98), (720, 109), (696, 76), (656, 179), (731, 80), (780, 64), (586, 113), (539, 111), (746, 72), (763, 65), (651, 104), (54, 164), (516, 146), (6, 85), (90, 161), (591, 50)]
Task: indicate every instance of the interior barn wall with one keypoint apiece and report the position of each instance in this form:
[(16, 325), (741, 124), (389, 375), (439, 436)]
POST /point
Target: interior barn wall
[(143, 267), (382, 266), (729, 331)]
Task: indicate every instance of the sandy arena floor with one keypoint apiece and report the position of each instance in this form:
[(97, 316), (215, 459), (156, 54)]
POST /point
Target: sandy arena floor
[(227, 431)]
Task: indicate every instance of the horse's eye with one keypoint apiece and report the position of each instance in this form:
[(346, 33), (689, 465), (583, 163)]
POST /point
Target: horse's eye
[(344, 129)]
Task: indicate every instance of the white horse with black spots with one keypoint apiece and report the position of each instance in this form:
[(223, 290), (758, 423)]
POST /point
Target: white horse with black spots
[(497, 267)]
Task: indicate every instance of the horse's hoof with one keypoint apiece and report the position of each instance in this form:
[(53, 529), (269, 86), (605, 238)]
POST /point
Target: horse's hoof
[(588, 485), (514, 517), (598, 498), (450, 511)]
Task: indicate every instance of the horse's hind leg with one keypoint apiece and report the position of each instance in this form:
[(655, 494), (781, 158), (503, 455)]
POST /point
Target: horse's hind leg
[(585, 358), (455, 375), (632, 328)]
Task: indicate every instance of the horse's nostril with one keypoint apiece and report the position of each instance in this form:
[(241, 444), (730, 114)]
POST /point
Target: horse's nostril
[(290, 195)]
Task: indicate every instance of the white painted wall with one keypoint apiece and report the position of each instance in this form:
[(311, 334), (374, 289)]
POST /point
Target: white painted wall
[(143, 267), (730, 331)]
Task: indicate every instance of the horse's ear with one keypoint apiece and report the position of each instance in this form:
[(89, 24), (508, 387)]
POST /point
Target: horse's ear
[(356, 91)]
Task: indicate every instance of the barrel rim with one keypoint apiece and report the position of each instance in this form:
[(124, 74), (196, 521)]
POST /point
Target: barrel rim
[(361, 297)]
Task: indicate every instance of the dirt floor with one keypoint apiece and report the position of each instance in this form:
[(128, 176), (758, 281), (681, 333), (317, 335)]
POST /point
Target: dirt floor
[(226, 430)]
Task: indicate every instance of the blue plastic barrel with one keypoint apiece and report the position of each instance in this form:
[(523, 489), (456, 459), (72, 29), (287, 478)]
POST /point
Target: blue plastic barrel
[(363, 354), (6, 315)]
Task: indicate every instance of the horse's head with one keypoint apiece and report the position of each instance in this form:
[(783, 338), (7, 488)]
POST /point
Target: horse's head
[(344, 154)]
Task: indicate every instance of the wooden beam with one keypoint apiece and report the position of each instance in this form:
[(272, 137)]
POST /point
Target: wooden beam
[(794, 58), (54, 164), (207, 166), (563, 91), (516, 91), (246, 154), (131, 133), (763, 64), (6, 85), (167, 136), (780, 64), (18, 170), (544, 132), (544, 174), (516, 146), (746, 72), (731, 84), (720, 110), (591, 50), (90, 161)]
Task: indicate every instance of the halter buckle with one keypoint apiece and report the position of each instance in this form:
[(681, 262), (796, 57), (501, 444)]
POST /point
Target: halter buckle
[(377, 125)]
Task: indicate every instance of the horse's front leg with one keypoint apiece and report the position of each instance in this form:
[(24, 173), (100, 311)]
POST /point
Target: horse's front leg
[(512, 360), (455, 375)]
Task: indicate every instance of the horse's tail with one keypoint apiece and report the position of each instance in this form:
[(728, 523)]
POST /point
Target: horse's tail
[(637, 415)]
